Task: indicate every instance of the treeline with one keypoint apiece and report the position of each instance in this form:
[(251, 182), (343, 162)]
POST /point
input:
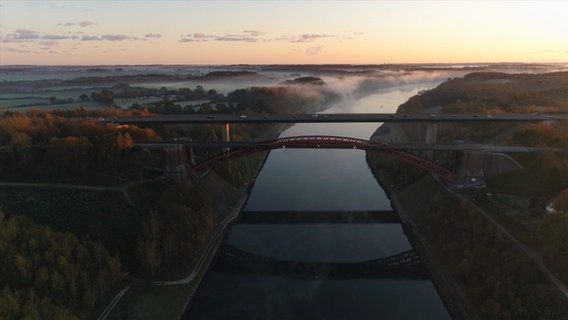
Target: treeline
[(493, 92), (28, 85), (488, 93), (46, 274), (312, 95), (52, 146)]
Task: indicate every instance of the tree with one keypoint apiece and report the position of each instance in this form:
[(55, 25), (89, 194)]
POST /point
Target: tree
[(149, 244), (83, 97)]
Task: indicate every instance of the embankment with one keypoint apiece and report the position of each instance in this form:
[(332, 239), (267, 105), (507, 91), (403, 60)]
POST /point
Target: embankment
[(408, 204)]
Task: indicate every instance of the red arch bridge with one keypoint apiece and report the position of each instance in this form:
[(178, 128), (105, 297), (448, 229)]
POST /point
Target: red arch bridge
[(325, 142)]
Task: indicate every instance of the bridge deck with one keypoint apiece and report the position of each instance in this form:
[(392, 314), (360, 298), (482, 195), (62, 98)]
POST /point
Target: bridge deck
[(397, 146), (334, 117)]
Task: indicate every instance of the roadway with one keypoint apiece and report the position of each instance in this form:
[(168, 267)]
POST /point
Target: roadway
[(333, 117), (398, 146)]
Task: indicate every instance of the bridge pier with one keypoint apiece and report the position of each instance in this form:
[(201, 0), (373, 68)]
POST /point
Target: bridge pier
[(226, 135), (174, 162), (469, 168), (431, 136), (431, 132)]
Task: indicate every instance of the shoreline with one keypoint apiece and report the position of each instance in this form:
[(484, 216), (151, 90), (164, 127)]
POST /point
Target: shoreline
[(453, 299)]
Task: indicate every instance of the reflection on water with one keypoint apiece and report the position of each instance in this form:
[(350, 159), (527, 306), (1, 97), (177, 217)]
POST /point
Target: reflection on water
[(320, 242), (268, 297), (308, 179)]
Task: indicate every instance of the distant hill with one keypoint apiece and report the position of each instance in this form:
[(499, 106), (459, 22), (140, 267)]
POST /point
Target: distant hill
[(495, 92)]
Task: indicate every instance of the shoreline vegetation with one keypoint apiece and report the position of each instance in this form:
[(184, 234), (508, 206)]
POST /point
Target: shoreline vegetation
[(480, 272)]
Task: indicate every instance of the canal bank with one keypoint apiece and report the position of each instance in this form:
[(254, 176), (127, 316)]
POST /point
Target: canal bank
[(451, 295)]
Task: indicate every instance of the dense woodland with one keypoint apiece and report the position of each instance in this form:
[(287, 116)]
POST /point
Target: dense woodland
[(498, 279), (65, 250), (46, 274)]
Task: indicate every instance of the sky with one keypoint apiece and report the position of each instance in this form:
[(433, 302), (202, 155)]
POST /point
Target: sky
[(132, 32)]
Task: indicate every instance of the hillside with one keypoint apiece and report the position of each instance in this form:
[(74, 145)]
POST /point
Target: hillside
[(463, 231)]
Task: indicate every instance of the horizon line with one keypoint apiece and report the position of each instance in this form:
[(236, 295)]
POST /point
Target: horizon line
[(289, 64)]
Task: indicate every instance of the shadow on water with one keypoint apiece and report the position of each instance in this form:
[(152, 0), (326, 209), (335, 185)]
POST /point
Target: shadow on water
[(307, 217), (259, 273)]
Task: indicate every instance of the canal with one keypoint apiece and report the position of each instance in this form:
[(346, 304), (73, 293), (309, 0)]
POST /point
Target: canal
[(339, 183)]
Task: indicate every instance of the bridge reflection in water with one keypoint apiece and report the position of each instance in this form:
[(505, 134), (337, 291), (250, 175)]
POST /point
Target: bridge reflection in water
[(403, 265)]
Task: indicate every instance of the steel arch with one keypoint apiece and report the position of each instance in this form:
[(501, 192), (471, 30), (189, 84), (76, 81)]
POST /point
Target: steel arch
[(330, 142)]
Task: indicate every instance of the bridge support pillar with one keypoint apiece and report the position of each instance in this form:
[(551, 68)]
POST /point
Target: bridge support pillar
[(470, 172), (431, 136), (431, 132), (174, 162), (226, 135)]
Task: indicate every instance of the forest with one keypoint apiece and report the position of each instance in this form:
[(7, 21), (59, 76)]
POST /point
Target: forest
[(85, 210), (499, 280)]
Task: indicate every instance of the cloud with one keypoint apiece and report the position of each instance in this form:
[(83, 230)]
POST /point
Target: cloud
[(49, 43), (306, 37), (312, 51), (81, 24), (13, 50), (90, 38), (86, 23), (233, 38), (25, 34), (57, 37), (311, 37), (186, 39), (201, 37), (252, 36), (117, 37), (153, 35), (254, 33), (196, 37)]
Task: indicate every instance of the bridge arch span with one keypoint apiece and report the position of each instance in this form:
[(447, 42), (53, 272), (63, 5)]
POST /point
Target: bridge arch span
[(329, 142)]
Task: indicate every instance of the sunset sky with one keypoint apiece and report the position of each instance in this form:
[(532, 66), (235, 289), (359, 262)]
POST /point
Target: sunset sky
[(281, 32)]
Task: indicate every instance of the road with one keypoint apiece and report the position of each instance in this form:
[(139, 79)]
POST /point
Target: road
[(333, 117)]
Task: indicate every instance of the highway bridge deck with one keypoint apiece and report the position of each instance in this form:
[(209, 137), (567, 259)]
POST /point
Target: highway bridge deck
[(333, 117)]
